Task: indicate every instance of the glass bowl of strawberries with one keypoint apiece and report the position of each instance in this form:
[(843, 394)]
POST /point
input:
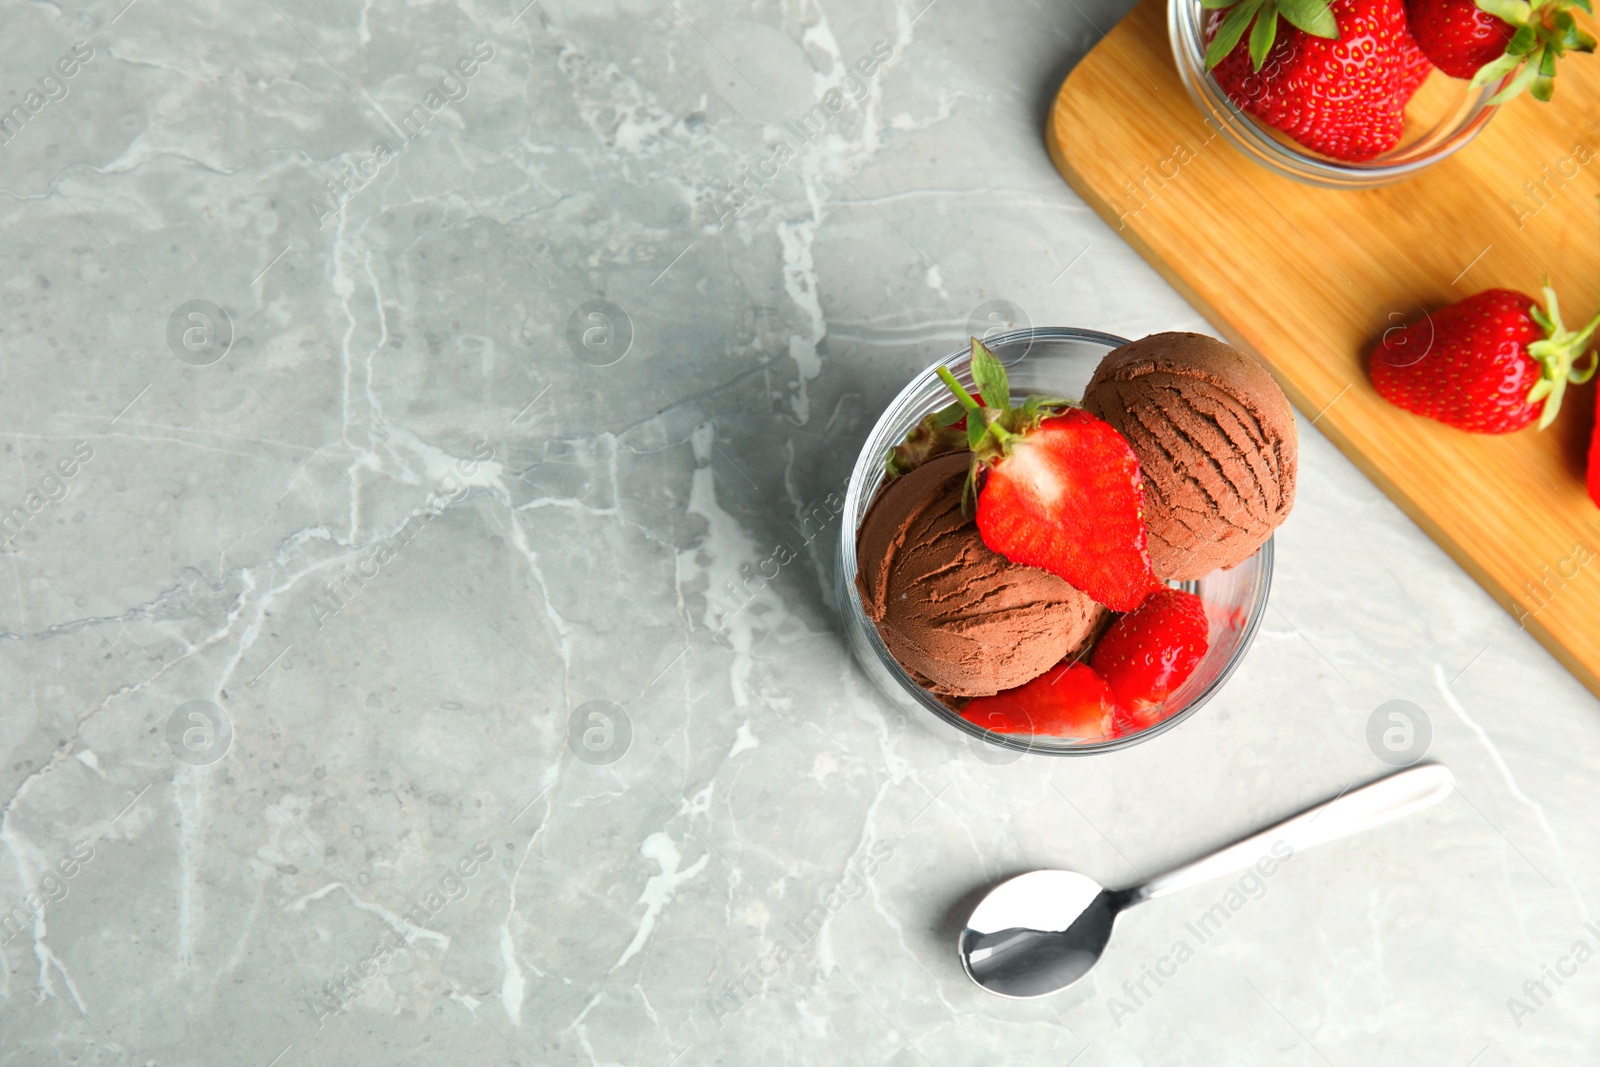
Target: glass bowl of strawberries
[(1354, 94), (984, 483)]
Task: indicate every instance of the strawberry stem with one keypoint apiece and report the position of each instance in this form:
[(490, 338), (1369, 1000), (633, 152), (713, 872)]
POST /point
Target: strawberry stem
[(1004, 436), (994, 426), (955, 387)]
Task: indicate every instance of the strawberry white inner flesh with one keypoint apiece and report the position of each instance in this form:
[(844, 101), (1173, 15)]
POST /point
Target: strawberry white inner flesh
[(1026, 465)]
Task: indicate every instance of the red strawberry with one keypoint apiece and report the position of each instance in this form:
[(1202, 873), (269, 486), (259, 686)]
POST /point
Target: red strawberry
[(1336, 79), (1489, 39), (1415, 66), (1592, 478), (1491, 363), (1149, 653), (1068, 700), (1060, 492), (1457, 35), (1068, 500)]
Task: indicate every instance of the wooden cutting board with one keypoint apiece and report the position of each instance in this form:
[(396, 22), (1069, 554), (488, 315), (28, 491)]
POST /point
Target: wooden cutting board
[(1308, 279)]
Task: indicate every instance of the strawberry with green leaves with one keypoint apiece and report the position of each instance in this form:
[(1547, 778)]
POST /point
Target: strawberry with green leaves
[(1056, 488), (1488, 39), (1333, 76), (1492, 363)]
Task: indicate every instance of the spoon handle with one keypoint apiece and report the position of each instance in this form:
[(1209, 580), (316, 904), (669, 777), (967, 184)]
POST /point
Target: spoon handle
[(1372, 805)]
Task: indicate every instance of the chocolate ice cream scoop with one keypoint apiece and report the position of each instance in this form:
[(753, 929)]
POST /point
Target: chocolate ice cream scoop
[(962, 619), (1216, 443)]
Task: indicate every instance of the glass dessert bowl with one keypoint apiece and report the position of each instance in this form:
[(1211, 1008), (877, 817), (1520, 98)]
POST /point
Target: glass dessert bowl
[(1060, 362), (1444, 115)]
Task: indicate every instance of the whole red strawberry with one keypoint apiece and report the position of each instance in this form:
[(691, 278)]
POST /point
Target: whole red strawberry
[(1068, 700), (1492, 363), (1148, 654), (1057, 491), (1336, 79), (1487, 40)]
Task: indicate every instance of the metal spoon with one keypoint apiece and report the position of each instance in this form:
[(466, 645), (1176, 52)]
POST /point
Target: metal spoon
[(1040, 932)]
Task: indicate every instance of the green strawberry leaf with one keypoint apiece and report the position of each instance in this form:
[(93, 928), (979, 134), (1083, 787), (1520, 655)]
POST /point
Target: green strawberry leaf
[(1312, 16), (1262, 34), (1553, 404), (1495, 70), (1036, 409), (935, 435), (977, 430), (1260, 17), (969, 491), (1568, 35), (1580, 376), (947, 416), (1515, 12), (989, 375), (1232, 28), (1543, 321), (1524, 77), (1573, 39)]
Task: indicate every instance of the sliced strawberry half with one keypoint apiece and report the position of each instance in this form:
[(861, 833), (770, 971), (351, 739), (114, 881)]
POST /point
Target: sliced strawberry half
[(1146, 655), (1056, 489), (1068, 500), (1068, 700)]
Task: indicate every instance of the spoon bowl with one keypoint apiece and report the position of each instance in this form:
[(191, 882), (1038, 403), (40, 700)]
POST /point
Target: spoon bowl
[(1040, 932)]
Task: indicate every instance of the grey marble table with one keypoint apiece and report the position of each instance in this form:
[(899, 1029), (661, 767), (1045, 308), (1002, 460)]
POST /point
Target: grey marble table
[(371, 692)]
